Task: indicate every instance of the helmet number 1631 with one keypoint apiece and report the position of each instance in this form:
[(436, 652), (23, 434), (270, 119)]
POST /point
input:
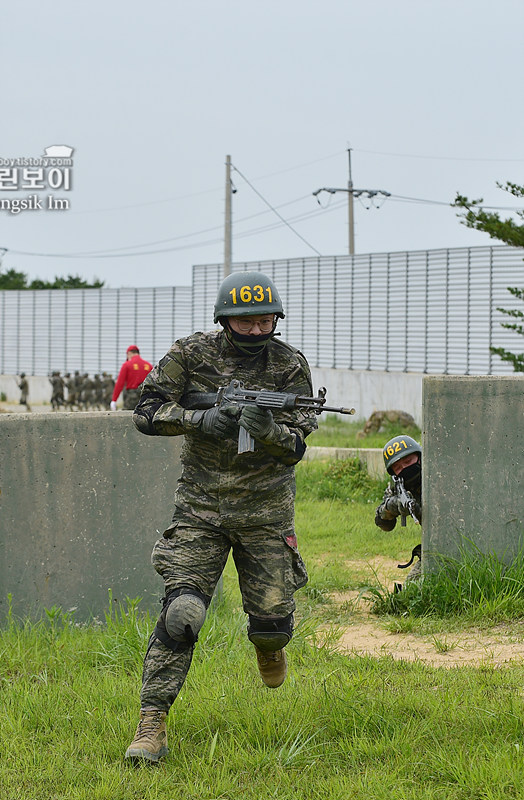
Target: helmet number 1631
[(248, 294)]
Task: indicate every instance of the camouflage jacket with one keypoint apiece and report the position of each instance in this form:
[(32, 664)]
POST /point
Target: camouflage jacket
[(388, 511), (218, 485)]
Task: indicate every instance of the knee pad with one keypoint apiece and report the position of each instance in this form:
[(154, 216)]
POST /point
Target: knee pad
[(184, 618), (181, 619), (270, 635)]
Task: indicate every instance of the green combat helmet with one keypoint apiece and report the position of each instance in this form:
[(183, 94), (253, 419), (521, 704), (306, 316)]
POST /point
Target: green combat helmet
[(247, 294), (397, 448)]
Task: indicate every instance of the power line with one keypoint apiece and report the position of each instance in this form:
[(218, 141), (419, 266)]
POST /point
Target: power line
[(276, 212), (115, 252), (439, 158), (198, 194), (450, 205)]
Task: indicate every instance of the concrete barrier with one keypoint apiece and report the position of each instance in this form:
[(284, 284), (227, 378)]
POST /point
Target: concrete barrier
[(473, 476), (83, 499)]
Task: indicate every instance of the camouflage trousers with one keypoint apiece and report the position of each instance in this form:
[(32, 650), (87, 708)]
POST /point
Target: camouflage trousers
[(270, 570), (415, 573), (131, 398)]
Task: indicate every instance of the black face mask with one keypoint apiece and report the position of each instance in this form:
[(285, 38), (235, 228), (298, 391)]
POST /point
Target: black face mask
[(412, 476), (248, 344)]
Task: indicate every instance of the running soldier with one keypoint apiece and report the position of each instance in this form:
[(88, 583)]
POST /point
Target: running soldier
[(57, 390), (71, 391), (225, 500)]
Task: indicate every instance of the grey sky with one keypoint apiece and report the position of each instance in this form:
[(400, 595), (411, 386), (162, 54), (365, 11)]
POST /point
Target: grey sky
[(427, 94)]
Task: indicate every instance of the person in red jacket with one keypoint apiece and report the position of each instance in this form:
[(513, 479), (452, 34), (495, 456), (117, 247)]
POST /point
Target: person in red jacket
[(132, 373)]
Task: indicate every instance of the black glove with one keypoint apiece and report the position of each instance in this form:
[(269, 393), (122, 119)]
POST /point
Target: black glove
[(143, 416), (388, 509), (218, 421), (259, 423)]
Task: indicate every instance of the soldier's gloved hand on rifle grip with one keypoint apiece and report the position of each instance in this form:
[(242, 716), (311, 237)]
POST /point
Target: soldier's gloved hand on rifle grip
[(259, 423), (218, 421), (390, 509)]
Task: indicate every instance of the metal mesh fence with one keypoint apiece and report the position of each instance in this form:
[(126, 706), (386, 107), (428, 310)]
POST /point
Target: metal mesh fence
[(88, 329), (429, 311)]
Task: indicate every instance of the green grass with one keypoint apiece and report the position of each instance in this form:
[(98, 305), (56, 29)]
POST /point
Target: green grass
[(336, 431), (340, 727), (346, 480), (477, 587)]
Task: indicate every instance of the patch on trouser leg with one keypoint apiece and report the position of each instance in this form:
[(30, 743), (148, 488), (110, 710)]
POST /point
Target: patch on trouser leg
[(270, 635)]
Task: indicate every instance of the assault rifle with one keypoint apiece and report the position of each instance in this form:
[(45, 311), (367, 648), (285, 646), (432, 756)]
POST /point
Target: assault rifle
[(406, 502), (235, 392)]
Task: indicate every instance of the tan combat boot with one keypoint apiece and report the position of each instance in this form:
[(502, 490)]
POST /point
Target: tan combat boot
[(150, 742), (272, 666)]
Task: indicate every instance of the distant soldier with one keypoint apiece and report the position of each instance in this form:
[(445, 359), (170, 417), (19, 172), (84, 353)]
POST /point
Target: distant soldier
[(24, 391), (109, 385), (90, 393), (98, 393), (84, 396), (132, 373), (57, 393), (71, 390), (77, 378)]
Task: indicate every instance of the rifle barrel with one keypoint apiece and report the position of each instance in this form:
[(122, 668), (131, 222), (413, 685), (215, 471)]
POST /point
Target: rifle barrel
[(338, 410)]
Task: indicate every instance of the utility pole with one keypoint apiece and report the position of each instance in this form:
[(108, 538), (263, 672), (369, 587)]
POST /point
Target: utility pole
[(228, 238), (351, 218), (352, 193)]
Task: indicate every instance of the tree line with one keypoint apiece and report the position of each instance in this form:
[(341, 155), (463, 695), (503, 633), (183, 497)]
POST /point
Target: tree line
[(14, 279)]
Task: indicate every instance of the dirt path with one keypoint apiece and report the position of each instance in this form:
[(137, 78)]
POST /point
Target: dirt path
[(369, 635)]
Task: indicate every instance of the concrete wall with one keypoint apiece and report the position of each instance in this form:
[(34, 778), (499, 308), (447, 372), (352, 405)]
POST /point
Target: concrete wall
[(365, 391), (83, 498), (473, 477)]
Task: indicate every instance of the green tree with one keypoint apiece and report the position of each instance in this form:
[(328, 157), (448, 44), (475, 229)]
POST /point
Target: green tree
[(511, 232), (13, 279), (71, 282)]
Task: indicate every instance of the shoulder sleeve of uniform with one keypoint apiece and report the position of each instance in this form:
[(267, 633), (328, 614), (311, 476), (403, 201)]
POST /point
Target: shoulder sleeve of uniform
[(296, 370)]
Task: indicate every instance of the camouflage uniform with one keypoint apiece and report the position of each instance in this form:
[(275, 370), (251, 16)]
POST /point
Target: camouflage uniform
[(57, 393), (130, 398), (386, 519), (225, 500), (71, 393), (109, 385), (24, 391)]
